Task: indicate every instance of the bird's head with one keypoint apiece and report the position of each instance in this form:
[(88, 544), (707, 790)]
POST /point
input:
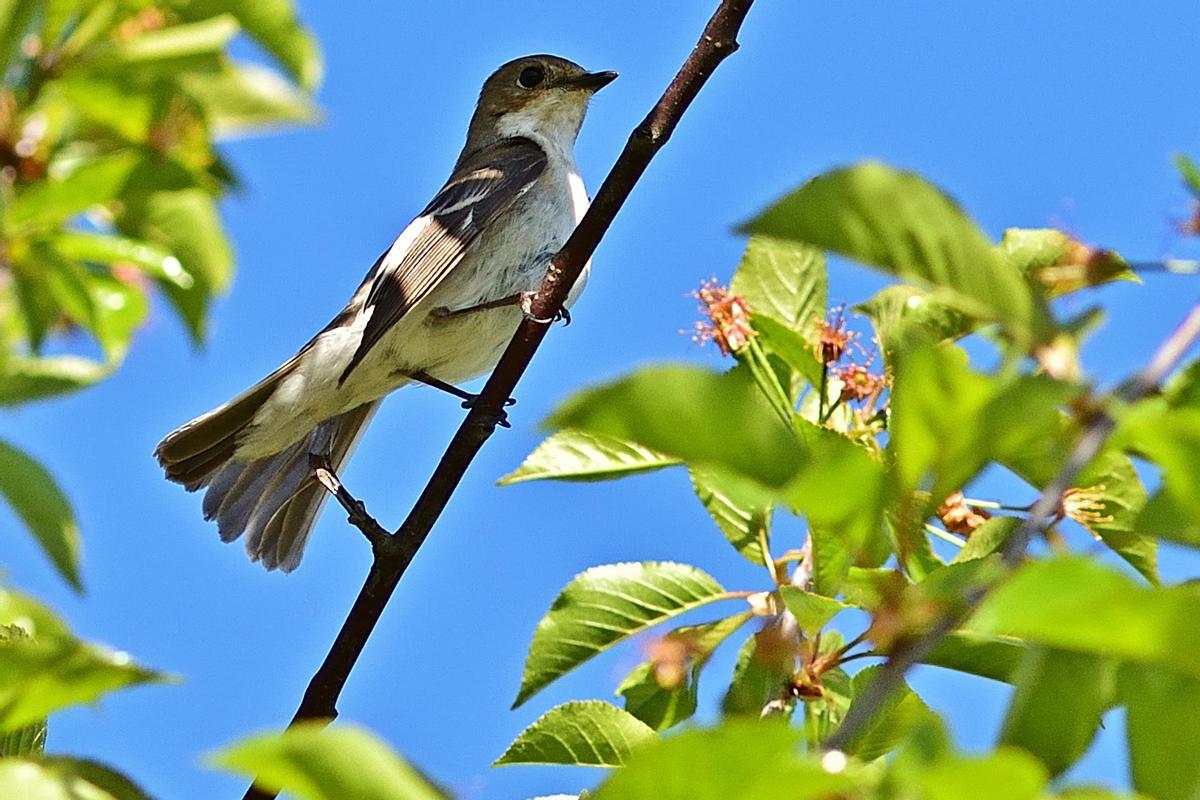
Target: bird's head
[(543, 97)]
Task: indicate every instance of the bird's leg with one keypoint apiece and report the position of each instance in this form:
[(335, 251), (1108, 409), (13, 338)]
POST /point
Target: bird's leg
[(469, 399), (523, 300), (320, 446)]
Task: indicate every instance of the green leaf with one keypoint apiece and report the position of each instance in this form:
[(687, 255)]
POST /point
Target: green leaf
[(906, 317), (1170, 436), (313, 762), (898, 222), (25, 379), (1003, 775), (246, 98), (1056, 710), (1190, 172), (899, 714), (577, 456), (604, 605), (699, 416), (41, 675), (660, 706), (1062, 264), (108, 250), (64, 779), (995, 657), (1162, 726), (53, 201), (764, 666), (276, 27), (587, 733), (41, 505), (204, 38), (1114, 498), (737, 761), (31, 739), (740, 508), (790, 346), (15, 19), (1077, 604), (784, 281), (35, 619), (812, 611), (988, 538)]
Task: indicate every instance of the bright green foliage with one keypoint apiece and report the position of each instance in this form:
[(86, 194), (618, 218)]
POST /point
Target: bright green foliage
[(64, 779), (1162, 725), (1190, 172), (812, 611), (39, 503), (604, 605), (739, 506), (906, 317), (585, 733), (578, 456), (783, 281), (889, 725), (109, 184), (314, 762)]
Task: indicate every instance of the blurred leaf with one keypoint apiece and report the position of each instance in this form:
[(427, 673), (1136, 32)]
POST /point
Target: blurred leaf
[(1062, 264), (586, 733), (15, 19), (26, 379), (737, 761), (29, 740), (1169, 436), (579, 456), (660, 706), (1112, 486), (906, 317), (275, 25), (995, 657), (702, 417), (790, 346), (53, 201), (900, 223), (64, 779), (988, 538), (124, 106), (41, 505), (246, 98), (1077, 604), (174, 42), (1162, 516), (812, 611), (1162, 726), (1190, 172), (1006, 774), (604, 605), (784, 281), (892, 721), (740, 508), (107, 249), (1056, 710), (35, 619), (41, 675), (313, 762)]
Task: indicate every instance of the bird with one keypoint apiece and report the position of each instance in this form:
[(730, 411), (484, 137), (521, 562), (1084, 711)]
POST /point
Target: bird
[(437, 307)]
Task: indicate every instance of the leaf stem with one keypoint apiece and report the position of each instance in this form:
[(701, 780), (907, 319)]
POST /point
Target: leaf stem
[(946, 536)]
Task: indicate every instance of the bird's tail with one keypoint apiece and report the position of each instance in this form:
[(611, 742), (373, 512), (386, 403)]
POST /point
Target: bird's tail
[(274, 500)]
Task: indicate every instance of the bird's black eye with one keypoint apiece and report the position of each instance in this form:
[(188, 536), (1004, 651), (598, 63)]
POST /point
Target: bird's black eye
[(531, 76)]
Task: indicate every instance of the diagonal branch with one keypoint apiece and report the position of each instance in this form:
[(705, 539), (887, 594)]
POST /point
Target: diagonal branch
[(1095, 433), (393, 553)]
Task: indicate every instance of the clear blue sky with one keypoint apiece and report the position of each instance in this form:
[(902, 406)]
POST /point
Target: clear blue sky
[(1032, 113)]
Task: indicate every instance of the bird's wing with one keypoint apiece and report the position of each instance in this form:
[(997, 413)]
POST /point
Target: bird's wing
[(483, 186)]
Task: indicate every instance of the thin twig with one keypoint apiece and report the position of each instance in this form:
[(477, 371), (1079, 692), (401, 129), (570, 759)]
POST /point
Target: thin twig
[(394, 552), (1095, 433)]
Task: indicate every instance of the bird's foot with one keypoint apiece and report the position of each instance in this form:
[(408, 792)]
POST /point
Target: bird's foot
[(561, 315), (470, 400), (500, 416)]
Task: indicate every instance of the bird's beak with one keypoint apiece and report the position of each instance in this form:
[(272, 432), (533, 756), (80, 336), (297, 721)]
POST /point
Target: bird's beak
[(591, 81)]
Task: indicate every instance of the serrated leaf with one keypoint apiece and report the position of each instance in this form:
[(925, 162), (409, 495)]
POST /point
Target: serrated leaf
[(604, 605), (783, 280), (1077, 604), (898, 222), (995, 657), (702, 417), (26, 379), (1055, 712), (740, 508), (578, 456), (41, 675), (764, 666), (812, 611), (40, 504), (1162, 726), (313, 762), (737, 761), (899, 714), (587, 733)]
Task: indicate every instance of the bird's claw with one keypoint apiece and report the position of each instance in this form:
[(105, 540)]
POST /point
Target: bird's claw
[(501, 415)]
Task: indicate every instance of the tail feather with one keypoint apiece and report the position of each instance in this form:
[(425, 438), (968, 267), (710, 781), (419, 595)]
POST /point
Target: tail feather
[(202, 440)]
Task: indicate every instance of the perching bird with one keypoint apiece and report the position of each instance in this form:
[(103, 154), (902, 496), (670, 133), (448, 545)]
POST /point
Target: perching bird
[(438, 307)]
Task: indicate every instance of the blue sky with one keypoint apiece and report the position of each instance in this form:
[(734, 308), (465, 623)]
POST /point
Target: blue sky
[(1031, 113)]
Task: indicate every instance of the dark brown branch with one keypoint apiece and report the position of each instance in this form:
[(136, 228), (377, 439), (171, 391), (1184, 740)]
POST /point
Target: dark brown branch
[(394, 552), (1095, 433)]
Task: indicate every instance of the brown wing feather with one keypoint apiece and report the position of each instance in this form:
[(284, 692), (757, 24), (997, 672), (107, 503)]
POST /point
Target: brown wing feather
[(484, 185)]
